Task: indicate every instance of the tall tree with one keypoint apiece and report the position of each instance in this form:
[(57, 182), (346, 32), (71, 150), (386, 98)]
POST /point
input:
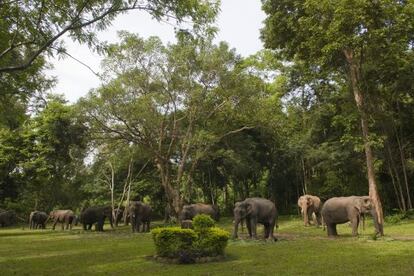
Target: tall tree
[(176, 101)]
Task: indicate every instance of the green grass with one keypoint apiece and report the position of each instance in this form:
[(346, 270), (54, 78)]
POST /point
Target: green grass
[(299, 251)]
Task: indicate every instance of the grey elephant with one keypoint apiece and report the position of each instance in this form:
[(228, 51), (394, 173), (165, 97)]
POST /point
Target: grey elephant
[(256, 210), (65, 217), (37, 219), (190, 211), (338, 210), (140, 213), (96, 215), (8, 218), (310, 206)]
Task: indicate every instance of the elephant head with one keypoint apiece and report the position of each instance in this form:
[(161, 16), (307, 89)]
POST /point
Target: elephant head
[(363, 204), (241, 211), (186, 213)]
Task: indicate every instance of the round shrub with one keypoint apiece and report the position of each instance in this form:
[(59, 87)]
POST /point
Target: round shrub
[(173, 241), (202, 222), (211, 242), (189, 246)]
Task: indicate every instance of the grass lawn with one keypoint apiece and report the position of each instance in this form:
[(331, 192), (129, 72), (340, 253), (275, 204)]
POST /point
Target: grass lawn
[(299, 251)]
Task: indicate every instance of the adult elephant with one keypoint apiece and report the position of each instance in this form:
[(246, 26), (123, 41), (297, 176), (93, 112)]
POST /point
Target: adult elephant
[(37, 219), (8, 218), (310, 205), (140, 213), (65, 217), (190, 211), (96, 215), (338, 210), (256, 210)]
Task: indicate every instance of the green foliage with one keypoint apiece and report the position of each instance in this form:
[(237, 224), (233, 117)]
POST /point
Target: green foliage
[(203, 241), (173, 241), (23, 40), (210, 242), (400, 216), (202, 222)]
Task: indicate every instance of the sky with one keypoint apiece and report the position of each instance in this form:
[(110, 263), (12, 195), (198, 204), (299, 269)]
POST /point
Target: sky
[(239, 24)]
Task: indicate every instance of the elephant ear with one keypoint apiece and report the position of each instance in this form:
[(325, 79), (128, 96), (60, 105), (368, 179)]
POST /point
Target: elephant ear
[(359, 204), (249, 209)]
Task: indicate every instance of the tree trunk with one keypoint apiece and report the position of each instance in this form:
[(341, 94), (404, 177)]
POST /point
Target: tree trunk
[(173, 196), (354, 70), (402, 158), (305, 184), (399, 188), (395, 187)]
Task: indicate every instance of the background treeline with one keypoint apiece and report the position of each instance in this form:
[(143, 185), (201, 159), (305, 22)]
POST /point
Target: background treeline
[(196, 122)]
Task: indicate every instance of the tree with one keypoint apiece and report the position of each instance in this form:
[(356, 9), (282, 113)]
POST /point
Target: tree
[(175, 101), (343, 37), (53, 149), (29, 29)]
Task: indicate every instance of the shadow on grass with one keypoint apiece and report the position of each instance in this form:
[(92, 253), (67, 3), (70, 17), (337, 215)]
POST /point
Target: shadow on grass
[(28, 233)]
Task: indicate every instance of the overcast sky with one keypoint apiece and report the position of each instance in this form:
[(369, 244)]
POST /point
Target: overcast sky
[(239, 23)]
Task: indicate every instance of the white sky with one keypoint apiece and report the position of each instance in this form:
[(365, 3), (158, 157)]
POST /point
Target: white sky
[(239, 23)]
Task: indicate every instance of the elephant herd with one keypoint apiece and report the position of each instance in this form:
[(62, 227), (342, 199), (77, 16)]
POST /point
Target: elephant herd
[(251, 211), (138, 213), (338, 210)]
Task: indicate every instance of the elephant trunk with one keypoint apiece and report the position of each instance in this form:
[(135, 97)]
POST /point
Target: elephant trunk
[(236, 226), (305, 215), (242, 224)]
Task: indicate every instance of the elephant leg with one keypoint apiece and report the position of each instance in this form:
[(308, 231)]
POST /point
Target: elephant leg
[(332, 229), (249, 227), (354, 225), (148, 226), (99, 226), (271, 229), (133, 225), (254, 228), (54, 224), (266, 231), (318, 219)]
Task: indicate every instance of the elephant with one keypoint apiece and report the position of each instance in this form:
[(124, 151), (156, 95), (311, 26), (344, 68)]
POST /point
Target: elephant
[(190, 211), (338, 210), (37, 219), (8, 218), (140, 213), (310, 205), (96, 215), (65, 217), (256, 210)]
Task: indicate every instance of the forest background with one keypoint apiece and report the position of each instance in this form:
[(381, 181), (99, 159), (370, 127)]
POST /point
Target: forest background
[(193, 121)]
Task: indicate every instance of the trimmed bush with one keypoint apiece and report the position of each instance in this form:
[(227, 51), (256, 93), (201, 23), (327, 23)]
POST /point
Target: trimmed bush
[(189, 246), (211, 242), (202, 222), (173, 241)]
